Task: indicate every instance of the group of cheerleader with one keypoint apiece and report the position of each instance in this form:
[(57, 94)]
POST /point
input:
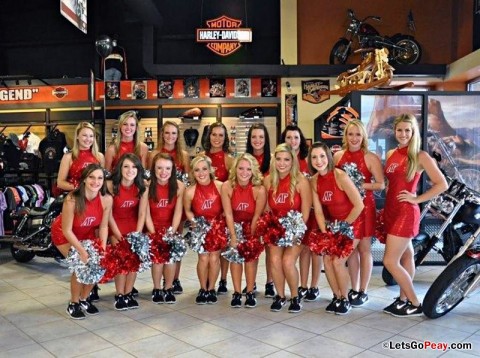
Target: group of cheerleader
[(296, 204)]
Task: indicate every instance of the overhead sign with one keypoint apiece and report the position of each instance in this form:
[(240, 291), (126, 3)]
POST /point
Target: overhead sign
[(224, 35)]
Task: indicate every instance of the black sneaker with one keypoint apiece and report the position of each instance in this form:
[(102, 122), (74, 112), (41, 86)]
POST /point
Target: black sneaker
[(131, 301), (134, 292), (278, 303), (201, 297), (157, 296), (177, 287), (244, 291), (359, 299), (94, 297), (120, 303), (212, 297), (222, 287), (89, 307), (312, 294), (343, 306), (295, 305), (408, 310), (396, 306), (269, 290), (75, 311), (236, 300), (332, 306), (169, 296), (302, 292), (250, 301)]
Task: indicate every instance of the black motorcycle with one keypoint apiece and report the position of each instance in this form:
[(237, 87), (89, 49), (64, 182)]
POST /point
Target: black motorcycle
[(403, 49), (31, 235), (461, 277), (445, 240)]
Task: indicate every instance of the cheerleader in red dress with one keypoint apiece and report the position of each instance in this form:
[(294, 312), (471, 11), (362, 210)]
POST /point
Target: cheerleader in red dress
[(128, 215), (293, 136), (85, 151), (244, 199), (203, 199), (85, 210), (355, 150), (258, 145), (403, 168), (127, 141), (216, 148), (287, 189), (335, 198), (165, 208), (170, 144)]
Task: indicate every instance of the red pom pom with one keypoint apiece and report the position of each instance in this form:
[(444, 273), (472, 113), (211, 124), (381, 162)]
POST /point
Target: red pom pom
[(270, 228), (216, 238), (380, 233), (119, 260), (319, 242), (251, 248), (342, 246), (159, 249), (110, 263)]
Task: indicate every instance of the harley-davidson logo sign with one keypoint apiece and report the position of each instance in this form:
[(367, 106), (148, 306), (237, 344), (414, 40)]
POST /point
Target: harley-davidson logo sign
[(224, 35), (60, 92)]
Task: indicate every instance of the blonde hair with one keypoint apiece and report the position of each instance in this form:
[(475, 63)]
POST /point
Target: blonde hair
[(257, 177), (201, 158), (136, 137), (294, 172), (413, 145), (94, 149), (355, 123), (179, 150)]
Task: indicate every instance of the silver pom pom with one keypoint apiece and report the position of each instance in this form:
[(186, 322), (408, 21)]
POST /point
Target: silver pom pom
[(357, 177), (147, 174), (183, 177), (231, 254), (294, 229), (140, 245), (178, 246), (91, 272), (195, 237), (341, 227)]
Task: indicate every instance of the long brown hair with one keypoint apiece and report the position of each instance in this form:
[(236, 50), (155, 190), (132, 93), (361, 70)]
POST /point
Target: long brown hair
[(172, 181), (79, 193), (117, 174)]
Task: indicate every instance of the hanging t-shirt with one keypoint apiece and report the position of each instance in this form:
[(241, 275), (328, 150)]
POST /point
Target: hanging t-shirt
[(51, 150)]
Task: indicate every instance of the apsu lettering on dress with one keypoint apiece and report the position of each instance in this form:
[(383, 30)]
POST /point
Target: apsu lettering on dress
[(281, 198), (391, 168), (88, 221), (327, 196), (162, 203), (242, 207), (127, 204), (207, 204)]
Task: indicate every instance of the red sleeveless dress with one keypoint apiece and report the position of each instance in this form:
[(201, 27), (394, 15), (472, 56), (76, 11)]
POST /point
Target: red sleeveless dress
[(335, 202), (162, 211), (369, 212), (280, 203), (125, 147), (84, 225), (207, 201), (85, 157), (125, 209), (401, 218), (176, 160), (303, 165), (218, 163), (243, 203)]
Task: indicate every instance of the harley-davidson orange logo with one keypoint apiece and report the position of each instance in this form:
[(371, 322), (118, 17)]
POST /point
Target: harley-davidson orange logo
[(224, 35), (60, 92)]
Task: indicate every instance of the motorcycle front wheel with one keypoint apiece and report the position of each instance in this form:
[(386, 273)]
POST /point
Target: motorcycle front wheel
[(418, 245), (448, 289), (21, 255), (340, 52), (409, 52)]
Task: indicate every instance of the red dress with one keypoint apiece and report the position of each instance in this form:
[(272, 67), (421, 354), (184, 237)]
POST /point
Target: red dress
[(303, 165), (335, 202), (85, 157), (125, 147), (401, 218), (369, 211), (243, 203), (125, 209), (280, 203), (84, 225), (218, 164), (176, 160), (260, 158), (208, 203), (162, 211)]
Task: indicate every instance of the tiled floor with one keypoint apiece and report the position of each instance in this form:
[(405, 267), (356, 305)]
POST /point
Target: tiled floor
[(33, 322)]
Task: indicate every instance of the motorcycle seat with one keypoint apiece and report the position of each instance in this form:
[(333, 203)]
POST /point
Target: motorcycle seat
[(38, 211)]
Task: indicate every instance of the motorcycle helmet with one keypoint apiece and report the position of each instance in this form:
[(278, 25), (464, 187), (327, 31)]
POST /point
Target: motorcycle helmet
[(190, 135)]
